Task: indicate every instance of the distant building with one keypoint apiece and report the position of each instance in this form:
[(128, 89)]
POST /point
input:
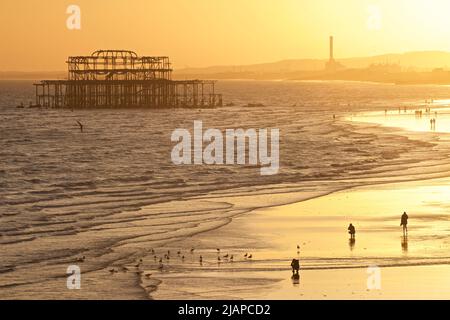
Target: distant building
[(332, 65)]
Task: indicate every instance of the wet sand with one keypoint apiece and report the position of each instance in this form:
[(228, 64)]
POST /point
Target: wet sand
[(332, 268)]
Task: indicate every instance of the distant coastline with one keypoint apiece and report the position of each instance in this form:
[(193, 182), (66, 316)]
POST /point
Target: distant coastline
[(425, 67), (351, 75)]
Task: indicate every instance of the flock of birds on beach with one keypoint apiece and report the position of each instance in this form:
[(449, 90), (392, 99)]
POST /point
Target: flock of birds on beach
[(166, 258)]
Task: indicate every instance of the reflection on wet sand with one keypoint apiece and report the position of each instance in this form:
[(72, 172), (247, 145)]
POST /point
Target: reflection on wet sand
[(295, 280), (405, 243), (351, 243)]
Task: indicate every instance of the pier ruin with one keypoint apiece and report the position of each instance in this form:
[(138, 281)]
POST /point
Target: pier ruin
[(121, 78)]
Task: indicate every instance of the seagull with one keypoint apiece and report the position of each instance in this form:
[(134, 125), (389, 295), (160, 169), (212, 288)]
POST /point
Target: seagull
[(231, 258), (298, 247), (192, 250), (80, 125), (250, 256), (218, 259), (226, 256), (201, 259), (218, 250), (179, 252), (245, 255), (160, 260)]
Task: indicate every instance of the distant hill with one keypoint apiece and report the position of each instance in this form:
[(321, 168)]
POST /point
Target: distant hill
[(410, 61), (421, 61), (35, 75)]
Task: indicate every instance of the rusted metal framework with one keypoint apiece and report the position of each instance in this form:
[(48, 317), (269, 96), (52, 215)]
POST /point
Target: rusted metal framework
[(120, 78)]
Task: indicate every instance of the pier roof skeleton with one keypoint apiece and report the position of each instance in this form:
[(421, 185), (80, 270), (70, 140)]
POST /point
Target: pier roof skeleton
[(121, 78)]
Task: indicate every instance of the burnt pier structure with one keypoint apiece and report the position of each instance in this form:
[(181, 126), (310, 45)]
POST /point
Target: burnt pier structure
[(121, 78)]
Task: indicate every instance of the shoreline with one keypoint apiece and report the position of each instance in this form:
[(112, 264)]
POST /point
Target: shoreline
[(120, 239), (267, 270)]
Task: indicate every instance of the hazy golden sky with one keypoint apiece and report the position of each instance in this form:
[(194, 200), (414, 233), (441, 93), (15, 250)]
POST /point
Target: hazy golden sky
[(214, 32)]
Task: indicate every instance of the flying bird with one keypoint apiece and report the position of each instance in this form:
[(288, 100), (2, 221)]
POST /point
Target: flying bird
[(80, 125)]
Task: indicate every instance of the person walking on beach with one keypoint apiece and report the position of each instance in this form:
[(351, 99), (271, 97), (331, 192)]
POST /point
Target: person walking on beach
[(352, 231), (404, 223), (295, 264)]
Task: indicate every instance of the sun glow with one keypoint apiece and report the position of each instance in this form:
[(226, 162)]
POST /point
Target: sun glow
[(203, 33)]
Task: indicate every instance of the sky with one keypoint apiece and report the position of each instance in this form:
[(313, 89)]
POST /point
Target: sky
[(199, 33)]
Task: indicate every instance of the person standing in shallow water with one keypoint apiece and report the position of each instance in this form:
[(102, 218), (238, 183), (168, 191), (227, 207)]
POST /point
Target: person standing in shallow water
[(404, 223), (352, 231)]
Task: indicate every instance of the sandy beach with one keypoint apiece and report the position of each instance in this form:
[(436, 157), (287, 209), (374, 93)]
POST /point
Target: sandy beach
[(331, 267), (111, 195)]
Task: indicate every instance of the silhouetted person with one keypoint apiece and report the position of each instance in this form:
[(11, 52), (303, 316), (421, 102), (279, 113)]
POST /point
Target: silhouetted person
[(352, 231), (404, 223), (295, 264)]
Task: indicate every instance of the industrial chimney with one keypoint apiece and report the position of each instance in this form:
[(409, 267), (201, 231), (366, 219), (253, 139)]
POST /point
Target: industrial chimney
[(332, 65)]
